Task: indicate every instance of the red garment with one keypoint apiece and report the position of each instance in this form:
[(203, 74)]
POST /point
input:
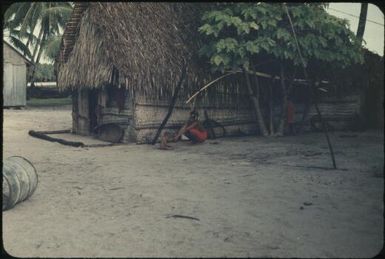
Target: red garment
[(200, 135), (290, 112)]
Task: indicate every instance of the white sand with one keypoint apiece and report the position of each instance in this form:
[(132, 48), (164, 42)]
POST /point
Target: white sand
[(247, 193)]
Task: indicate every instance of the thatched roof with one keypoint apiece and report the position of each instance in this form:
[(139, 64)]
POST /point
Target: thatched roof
[(147, 43)]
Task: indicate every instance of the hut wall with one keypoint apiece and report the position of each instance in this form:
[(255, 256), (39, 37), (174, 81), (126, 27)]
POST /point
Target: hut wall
[(111, 113), (15, 78), (149, 114), (80, 113), (342, 114), (105, 113), (141, 117)]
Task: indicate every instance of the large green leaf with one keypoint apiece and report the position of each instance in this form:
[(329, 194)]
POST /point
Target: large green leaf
[(21, 19), (18, 44)]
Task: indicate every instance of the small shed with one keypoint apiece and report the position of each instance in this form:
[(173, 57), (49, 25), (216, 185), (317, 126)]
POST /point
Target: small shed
[(15, 76)]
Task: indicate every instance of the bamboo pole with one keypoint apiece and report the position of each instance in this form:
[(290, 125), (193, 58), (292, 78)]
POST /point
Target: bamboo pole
[(256, 73), (311, 91), (206, 86)]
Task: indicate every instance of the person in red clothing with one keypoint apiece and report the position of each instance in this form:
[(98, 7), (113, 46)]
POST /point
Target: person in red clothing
[(192, 129), (290, 116)]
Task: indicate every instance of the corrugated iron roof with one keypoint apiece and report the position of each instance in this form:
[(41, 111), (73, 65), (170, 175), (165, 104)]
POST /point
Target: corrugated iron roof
[(18, 52)]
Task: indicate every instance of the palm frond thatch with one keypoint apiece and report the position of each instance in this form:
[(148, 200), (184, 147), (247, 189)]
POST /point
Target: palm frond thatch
[(148, 43), (89, 66)]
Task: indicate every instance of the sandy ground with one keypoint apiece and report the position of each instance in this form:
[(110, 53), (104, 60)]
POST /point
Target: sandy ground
[(248, 195)]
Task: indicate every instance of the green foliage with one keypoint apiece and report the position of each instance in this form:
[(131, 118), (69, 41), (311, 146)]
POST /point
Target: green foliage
[(18, 44), (22, 18), (236, 33), (52, 47), (45, 73)]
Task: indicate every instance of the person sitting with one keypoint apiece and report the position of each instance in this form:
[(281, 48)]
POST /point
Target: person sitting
[(290, 116), (192, 129)]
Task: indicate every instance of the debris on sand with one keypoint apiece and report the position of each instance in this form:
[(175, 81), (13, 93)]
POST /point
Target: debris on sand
[(181, 216)]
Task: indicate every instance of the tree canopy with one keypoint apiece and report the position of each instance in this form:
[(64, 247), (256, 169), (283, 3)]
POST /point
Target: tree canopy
[(23, 19), (45, 73), (35, 28), (236, 35), (236, 32)]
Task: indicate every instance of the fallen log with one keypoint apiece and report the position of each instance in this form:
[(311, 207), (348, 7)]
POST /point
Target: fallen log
[(44, 136), (55, 131)]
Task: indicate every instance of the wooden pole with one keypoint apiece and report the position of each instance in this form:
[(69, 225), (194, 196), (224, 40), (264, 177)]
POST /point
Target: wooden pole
[(171, 107), (209, 126), (362, 21), (255, 100), (206, 86), (311, 91), (325, 131)]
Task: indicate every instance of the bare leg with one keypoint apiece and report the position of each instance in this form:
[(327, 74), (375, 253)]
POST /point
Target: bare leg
[(180, 132), (163, 142)]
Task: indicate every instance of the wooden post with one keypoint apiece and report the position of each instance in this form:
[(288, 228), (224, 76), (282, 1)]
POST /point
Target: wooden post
[(255, 100), (311, 92), (171, 107), (325, 131), (209, 128)]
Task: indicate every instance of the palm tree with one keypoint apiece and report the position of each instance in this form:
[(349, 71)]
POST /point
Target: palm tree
[(362, 21), (37, 23), (17, 41), (52, 47)]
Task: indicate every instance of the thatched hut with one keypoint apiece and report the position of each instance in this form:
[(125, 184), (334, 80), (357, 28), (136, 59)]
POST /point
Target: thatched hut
[(123, 62)]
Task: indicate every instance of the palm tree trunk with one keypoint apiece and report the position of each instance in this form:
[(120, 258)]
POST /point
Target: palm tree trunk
[(38, 43), (41, 48), (39, 39), (362, 21), (42, 42), (255, 100)]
